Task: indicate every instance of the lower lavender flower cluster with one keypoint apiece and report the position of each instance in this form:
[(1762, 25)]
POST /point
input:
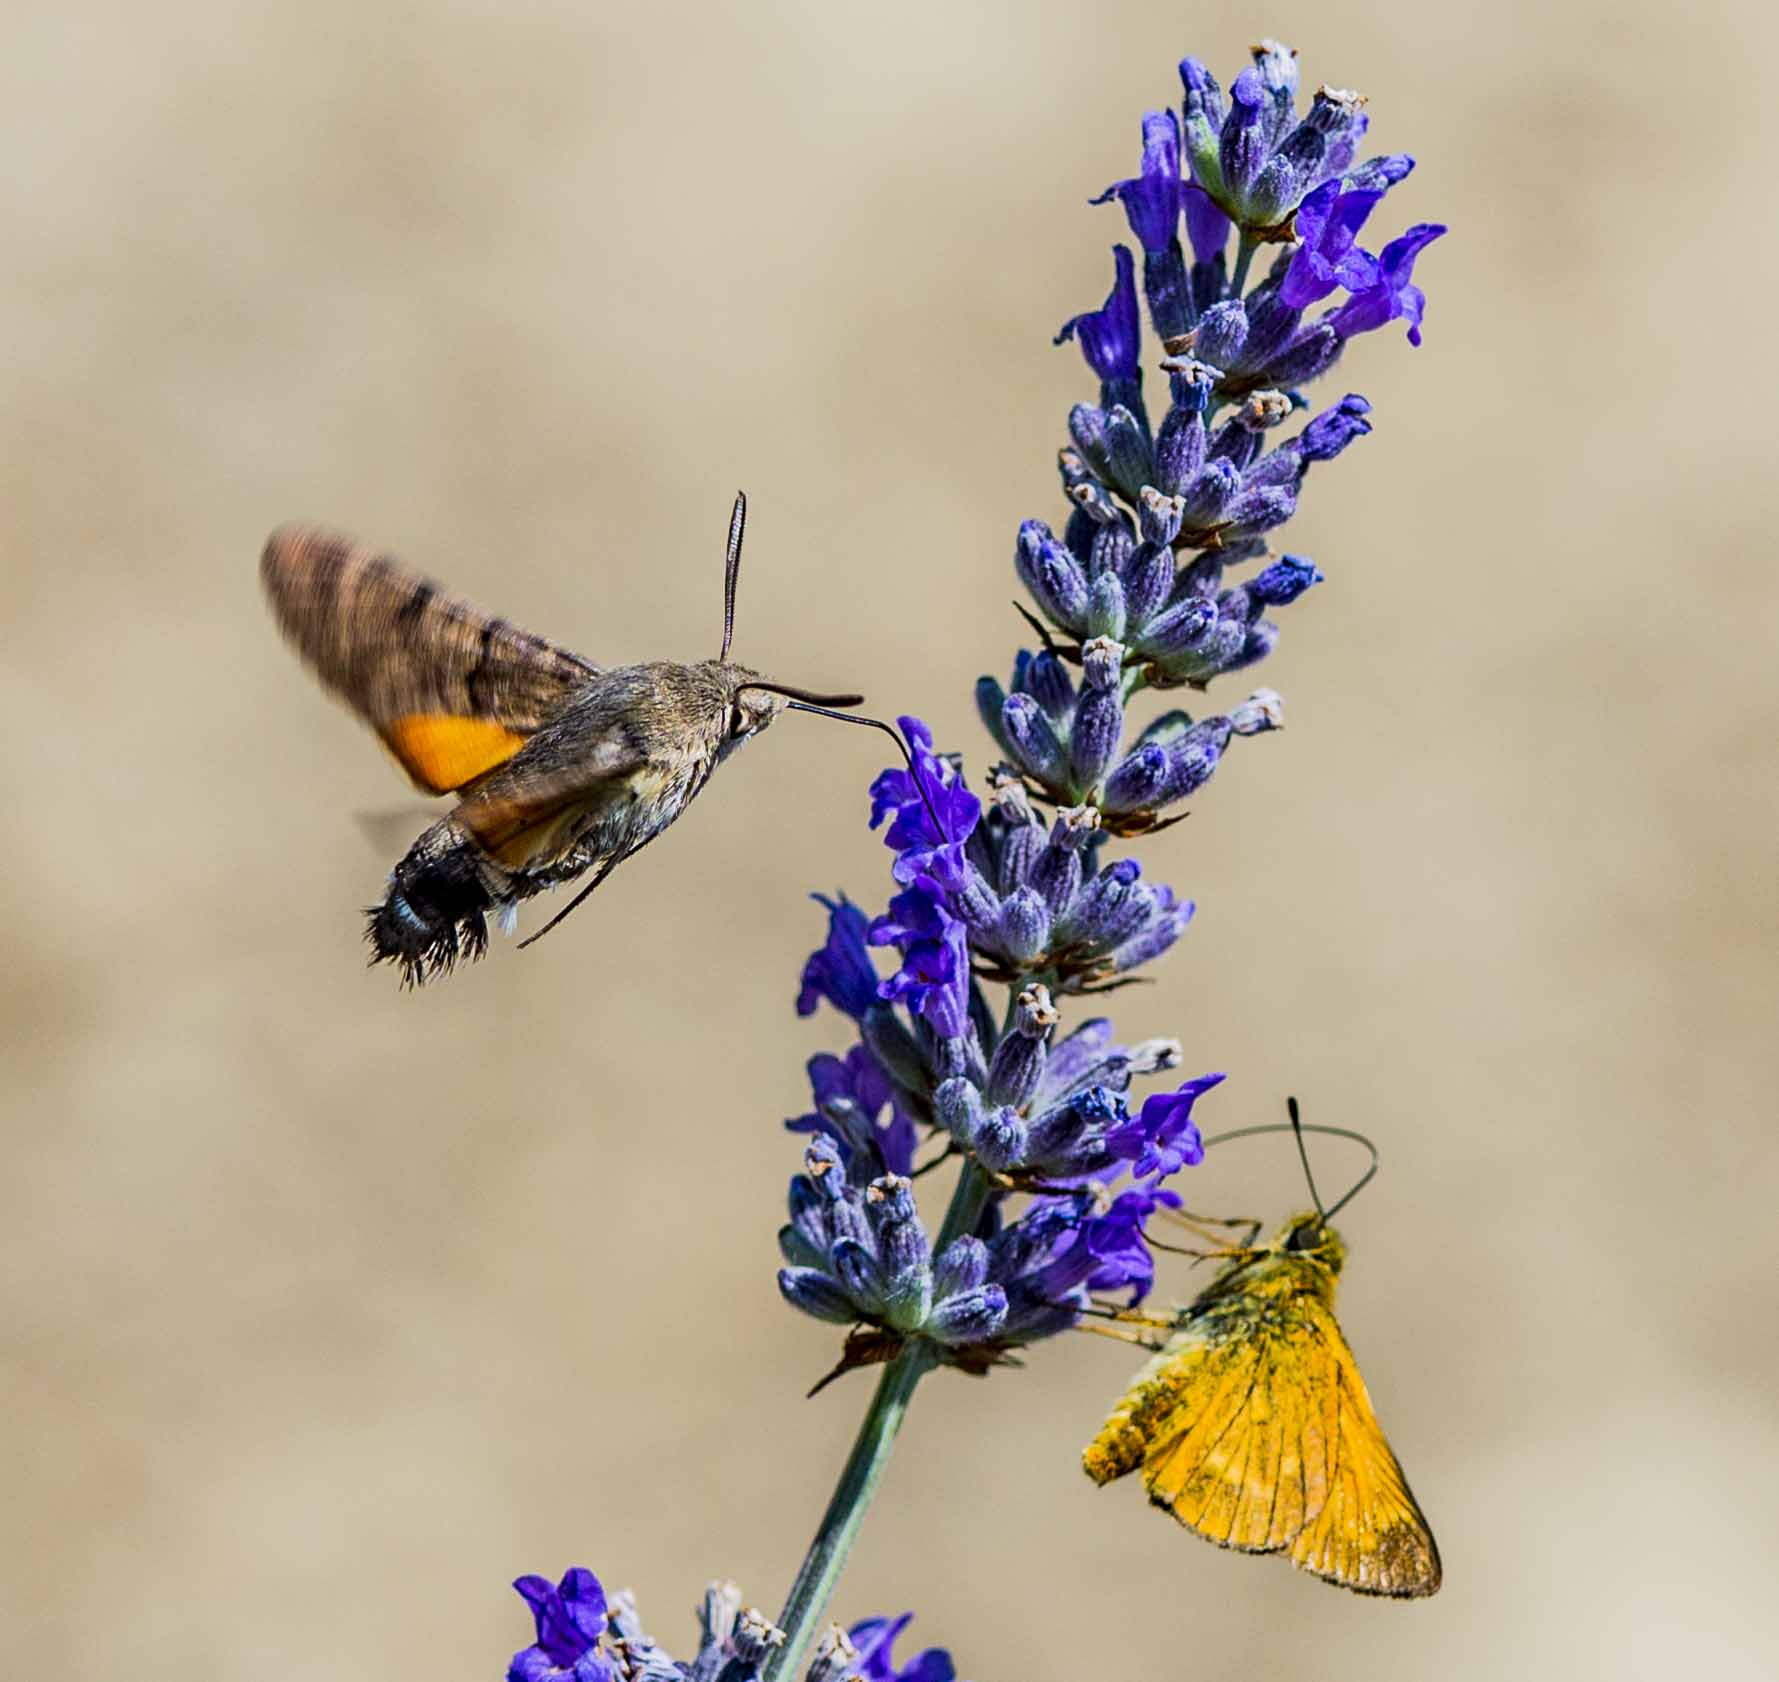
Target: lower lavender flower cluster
[(584, 1635)]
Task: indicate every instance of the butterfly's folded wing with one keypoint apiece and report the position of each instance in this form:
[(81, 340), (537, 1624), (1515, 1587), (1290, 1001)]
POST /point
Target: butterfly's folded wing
[(1370, 1533), (1256, 1432), (1240, 1457), (452, 690)]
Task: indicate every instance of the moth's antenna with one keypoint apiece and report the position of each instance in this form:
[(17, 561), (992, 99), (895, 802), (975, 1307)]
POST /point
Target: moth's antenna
[(1299, 1127), (1303, 1156), (732, 569), (815, 704)]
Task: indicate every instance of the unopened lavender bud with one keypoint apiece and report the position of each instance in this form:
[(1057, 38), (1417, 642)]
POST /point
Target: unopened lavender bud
[(1150, 942), (1000, 1142), (1179, 450), (962, 1266), (1288, 174), (1099, 715), (1105, 607), (1183, 626), (1047, 681), (1204, 110), (1255, 511), (904, 1254), (973, 1316), (1147, 580), (1242, 142), (1135, 784), (1206, 499), (990, 698), (1018, 853), (1056, 872), (1033, 742), (1194, 759), (1284, 581), (815, 1294), (975, 904), (1050, 572), (1093, 500), (1223, 332), (1018, 1062), (1332, 430), (859, 1275), (1087, 427), (1110, 907), (1024, 928), (1159, 518), (957, 1107), (1110, 551), (1127, 450)]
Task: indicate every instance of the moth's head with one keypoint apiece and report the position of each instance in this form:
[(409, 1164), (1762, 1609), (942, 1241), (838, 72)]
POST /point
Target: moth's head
[(751, 705), (1310, 1235)]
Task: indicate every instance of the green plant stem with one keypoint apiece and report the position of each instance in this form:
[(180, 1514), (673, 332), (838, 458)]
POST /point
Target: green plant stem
[(1244, 255), (863, 1471)]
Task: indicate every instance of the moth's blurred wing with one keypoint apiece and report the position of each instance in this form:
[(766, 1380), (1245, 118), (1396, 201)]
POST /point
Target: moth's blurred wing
[(452, 690), (1370, 1533)]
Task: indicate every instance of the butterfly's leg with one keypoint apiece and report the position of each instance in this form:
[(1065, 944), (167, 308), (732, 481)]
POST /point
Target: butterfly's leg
[(1123, 1326), (1196, 1224)]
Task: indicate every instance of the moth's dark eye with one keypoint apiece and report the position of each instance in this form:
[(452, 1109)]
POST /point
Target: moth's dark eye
[(738, 724), (1305, 1236)]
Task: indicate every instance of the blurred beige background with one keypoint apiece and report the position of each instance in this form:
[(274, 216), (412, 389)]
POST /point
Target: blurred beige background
[(327, 1310)]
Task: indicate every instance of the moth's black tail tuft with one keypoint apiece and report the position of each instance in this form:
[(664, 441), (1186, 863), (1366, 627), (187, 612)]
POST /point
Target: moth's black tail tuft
[(436, 911)]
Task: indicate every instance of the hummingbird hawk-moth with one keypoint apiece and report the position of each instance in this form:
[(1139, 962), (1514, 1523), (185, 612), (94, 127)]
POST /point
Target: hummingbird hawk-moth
[(560, 766)]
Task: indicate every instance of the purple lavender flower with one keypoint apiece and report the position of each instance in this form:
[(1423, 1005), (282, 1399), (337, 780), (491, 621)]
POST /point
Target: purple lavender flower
[(1163, 1138), (1390, 294), (1328, 253), (841, 971), (571, 1619), (874, 1637), (1109, 336), (919, 845), (1152, 203), (850, 1094)]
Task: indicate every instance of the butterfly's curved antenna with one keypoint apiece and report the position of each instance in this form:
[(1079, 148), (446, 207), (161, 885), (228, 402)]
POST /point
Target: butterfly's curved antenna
[(732, 569), (1299, 1127), (1303, 1156)]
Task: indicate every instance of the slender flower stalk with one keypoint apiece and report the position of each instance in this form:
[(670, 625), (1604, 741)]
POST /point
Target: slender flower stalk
[(1161, 578)]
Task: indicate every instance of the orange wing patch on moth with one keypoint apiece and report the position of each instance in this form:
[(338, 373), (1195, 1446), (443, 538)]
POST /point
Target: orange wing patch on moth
[(413, 660), (442, 753)]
